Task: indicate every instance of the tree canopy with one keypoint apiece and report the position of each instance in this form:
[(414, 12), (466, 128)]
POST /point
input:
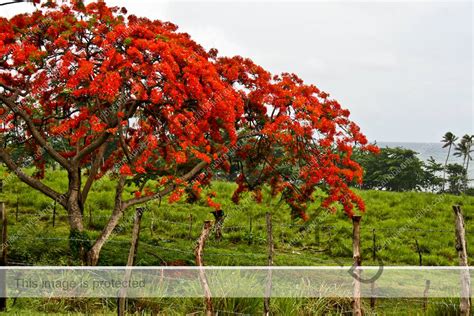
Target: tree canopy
[(101, 92), (400, 169)]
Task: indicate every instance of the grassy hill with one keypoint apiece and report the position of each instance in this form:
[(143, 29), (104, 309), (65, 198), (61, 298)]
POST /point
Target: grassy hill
[(169, 231)]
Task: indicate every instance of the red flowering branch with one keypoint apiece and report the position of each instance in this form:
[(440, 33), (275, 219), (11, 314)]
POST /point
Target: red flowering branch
[(168, 189), (100, 91), (34, 131)]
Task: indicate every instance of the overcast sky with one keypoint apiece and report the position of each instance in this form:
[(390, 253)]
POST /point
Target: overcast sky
[(403, 69)]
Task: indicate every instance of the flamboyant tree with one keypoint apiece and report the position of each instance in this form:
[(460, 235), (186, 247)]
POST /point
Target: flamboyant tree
[(106, 94)]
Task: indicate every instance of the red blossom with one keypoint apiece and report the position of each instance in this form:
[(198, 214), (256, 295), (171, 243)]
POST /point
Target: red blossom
[(159, 102), (125, 170)]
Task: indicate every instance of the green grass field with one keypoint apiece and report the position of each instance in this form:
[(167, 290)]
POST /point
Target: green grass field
[(169, 232)]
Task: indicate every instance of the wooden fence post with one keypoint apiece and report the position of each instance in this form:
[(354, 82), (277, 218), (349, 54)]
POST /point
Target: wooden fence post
[(372, 295), (374, 257), (268, 290), (132, 255), (420, 254), (3, 260), (356, 303), (465, 302), (219, 217), (198, 252), (425, 295), (427, 282)]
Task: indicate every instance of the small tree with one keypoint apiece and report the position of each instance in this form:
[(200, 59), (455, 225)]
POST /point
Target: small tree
[(457, 178), (463, 149), (449, 139), (394, 169), (101, 93), (432, 181)]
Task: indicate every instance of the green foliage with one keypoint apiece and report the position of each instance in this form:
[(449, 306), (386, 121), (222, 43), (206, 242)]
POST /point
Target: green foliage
[(433, 182), (449, 139), (469, 191), (167, 238), (457, 178), (399, 169), (394, 169), (463, 149), (79, 243)]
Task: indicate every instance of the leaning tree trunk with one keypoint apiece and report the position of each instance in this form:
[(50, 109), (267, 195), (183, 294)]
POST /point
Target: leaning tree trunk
[(78, 239), (75, 215), (467, 165), (445, 166), (92, 257), (94, 252), (466, 184)]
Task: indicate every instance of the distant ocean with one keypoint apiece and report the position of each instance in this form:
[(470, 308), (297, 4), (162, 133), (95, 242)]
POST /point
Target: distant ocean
[(425, 150)]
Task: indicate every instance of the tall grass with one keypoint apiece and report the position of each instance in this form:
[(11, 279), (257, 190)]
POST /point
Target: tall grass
[(169, 232)]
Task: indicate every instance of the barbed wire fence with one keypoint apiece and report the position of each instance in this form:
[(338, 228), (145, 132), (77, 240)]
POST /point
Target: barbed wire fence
[(288, 240), (287, 243)]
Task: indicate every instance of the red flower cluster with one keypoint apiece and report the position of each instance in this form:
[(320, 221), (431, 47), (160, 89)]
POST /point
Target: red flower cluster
[(158, 104), (305, 142)]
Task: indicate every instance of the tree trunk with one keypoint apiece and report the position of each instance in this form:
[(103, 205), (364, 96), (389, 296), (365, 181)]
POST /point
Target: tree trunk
[(461, 247), (94, 253), (74, 215), (78, 239), (445, 165), (271, 249), (356, 303), (74, 207), (132, 256), (198, 252), (468, 157), (467, 165)]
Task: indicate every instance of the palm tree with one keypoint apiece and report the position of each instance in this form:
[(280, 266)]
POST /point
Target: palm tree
[(463, 149), (449, 139), (459, 150), (469, 151)]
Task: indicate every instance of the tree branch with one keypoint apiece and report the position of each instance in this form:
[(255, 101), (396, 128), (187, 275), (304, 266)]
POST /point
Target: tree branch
[(93, 172), (35, 133), (32, 182), (91, 147), (15, 90), (102, 138), (123, 144), (168, 189)]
